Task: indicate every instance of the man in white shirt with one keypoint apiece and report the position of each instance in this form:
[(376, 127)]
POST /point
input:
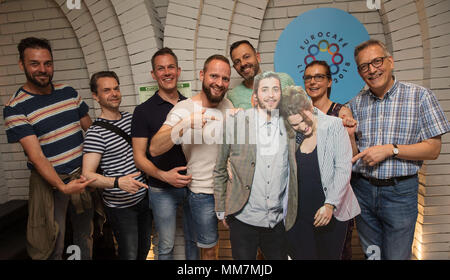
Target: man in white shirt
[(196, 123)]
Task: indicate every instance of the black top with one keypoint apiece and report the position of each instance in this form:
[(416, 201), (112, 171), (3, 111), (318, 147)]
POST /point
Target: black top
[(310, 191), (148, 118), (334, 110)]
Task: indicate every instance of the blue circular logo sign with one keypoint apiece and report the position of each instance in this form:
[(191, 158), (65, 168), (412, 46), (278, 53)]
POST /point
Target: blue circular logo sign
[(327, 34)]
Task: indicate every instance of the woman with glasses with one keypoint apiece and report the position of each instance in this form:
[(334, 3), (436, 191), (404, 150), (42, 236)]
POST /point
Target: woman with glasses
[(323, 202), (317, 78)]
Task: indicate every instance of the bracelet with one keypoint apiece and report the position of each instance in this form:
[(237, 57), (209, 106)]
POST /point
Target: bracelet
[(116, 182)]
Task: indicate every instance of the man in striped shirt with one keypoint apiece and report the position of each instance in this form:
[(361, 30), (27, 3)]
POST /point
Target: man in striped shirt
[(48, 121), (125, 190), (399, 126)]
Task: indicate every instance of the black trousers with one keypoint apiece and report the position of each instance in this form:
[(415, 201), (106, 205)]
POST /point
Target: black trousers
[(307, 242), (245, 240)]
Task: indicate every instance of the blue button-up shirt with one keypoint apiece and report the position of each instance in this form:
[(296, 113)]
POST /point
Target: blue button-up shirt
[(407, 114), (264, 207)]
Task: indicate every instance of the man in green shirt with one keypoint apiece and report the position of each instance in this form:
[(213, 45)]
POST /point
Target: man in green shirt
[(246, 61)]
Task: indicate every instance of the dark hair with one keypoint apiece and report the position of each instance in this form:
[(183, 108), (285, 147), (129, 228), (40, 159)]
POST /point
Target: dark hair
[(327, 71), (101, 74), (215, 57), (33, 43), (265, 75), (163, 51), (238, 43)]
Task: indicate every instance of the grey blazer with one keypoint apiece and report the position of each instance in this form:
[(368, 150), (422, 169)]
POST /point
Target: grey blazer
[(334, 154), (231, 194)]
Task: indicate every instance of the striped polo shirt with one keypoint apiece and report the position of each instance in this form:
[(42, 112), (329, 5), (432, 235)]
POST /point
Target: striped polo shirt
[(54, 119), (117, 159)]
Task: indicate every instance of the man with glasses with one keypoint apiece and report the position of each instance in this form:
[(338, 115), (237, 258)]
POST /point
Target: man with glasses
[(399, 125)]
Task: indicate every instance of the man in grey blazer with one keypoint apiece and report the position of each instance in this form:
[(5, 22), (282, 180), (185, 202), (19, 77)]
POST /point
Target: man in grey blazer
[(251, 203)]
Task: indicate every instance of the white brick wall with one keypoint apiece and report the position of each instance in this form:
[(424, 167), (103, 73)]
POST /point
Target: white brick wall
[(40, 18), (432, 238), (122, 36)]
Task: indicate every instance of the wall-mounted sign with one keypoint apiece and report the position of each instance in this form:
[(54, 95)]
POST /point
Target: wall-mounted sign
[(145, 92), (327, 34)]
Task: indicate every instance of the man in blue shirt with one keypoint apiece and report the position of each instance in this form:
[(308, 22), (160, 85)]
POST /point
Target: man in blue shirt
[(167, 172), (399, 125)]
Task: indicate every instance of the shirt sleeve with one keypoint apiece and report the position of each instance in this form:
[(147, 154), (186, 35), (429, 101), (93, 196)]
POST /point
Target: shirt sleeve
[(17, 124), (139, 123), (94, 142), (175, 115), (83, 108), (433, 121)]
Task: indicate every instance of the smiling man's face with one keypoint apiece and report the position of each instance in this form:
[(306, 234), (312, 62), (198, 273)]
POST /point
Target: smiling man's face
[(378, 79)]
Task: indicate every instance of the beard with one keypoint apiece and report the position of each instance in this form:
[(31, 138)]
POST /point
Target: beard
[(251, 75), (213, 98), (262, 106), (31, 78)]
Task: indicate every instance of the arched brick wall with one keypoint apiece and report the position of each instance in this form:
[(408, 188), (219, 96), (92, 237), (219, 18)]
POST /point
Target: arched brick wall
[(122, 36)]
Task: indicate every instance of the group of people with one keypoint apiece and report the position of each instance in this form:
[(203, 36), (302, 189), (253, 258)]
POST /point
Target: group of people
[(284, 168)]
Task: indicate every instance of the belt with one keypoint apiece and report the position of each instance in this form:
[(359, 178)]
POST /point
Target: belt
[(385, 182)]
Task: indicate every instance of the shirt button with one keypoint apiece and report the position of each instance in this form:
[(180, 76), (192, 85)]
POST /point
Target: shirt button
[(247, 187), (325, 189)]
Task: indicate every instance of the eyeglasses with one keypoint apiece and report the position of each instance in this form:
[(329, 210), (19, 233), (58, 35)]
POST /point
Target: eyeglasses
[(317, 78), (376, 62)]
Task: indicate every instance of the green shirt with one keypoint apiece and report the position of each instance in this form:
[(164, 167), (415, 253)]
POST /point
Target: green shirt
[(241, 96)]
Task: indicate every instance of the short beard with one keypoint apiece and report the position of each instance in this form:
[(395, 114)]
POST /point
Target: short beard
[(256, 71), (35, 82), (211, 98), (263, 107)]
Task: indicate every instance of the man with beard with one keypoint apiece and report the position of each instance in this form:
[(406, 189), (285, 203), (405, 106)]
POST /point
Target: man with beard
[(246, 62), (48, 121), (400, 125), (196, 123), (251, 206)]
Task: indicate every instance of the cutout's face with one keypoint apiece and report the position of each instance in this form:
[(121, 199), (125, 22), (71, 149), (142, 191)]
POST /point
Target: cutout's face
[(302, 123), (269, 94)]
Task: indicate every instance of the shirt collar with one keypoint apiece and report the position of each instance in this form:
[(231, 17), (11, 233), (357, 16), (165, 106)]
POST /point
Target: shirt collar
[(161, 101), (389, 93), (262, 120)]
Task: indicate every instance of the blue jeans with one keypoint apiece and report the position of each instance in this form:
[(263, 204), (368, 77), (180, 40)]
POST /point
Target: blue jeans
[(132, 227), (204, 219), (388, 217), (164, 203)]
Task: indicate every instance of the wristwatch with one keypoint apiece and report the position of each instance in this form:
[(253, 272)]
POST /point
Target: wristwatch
[(395, 150)]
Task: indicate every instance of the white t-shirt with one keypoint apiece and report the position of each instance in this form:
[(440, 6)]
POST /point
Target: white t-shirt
[(200, 146)]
